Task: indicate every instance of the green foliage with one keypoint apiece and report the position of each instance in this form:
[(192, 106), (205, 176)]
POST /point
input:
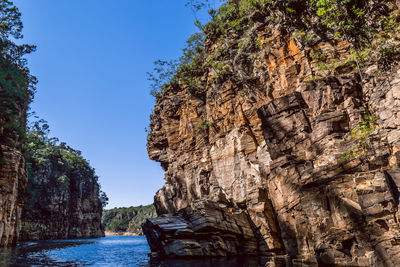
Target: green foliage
[(355, 60), (186, 71), (364, 128), (127, 219), (387, 40), (53, 169), (17, 86), (344, 17), (360, 137), (162, 74), (204, 125), (193, 48), (310, 22), (290, 10), (103, 199), (231, 18)]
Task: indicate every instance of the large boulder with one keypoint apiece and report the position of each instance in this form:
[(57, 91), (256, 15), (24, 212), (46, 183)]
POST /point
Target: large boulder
[(205, 229)]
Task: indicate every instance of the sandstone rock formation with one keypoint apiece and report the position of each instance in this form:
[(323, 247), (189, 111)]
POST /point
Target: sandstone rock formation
[(65, 215), (309, 154), (71, 213), (205, 229), (62, 198), (12, 183)]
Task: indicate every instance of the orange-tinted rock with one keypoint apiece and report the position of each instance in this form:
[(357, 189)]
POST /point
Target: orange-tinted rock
[(275, 151)]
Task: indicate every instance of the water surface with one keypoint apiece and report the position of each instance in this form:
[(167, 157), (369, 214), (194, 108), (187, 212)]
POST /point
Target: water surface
[(106, 251)]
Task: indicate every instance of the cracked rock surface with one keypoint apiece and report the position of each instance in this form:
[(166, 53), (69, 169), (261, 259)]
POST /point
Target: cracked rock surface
[(275, 154)]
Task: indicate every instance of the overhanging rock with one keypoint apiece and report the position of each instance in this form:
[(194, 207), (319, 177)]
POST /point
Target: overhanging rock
[(205, 229)]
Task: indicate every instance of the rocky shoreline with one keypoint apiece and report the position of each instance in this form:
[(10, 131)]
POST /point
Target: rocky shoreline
[(110, 233)]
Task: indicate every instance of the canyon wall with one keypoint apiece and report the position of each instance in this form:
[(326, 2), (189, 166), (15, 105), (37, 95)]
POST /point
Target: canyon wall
[(14, 99), (47, 190), (62, 199), (306, 144), (64, 214), (12, 183)]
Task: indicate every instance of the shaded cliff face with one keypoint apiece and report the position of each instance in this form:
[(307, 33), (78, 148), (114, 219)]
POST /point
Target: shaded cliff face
[(13, 180), (306, 143), (62, 195), (14, 98)]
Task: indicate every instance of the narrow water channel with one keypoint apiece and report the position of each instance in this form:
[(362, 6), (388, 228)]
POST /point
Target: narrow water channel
[(106, 251)]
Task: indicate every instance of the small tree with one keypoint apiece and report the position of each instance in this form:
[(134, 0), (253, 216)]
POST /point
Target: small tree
[(103, 199)]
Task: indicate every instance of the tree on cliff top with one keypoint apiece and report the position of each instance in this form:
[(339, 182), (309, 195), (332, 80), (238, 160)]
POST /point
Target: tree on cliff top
[(11, 28), (54, 166), (231, 30), (17, 85)]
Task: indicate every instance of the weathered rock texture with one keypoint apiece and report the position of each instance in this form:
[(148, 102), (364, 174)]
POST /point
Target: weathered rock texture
[(65, 215), (12, 183), (275, 150), (62, 197), (205, 229)]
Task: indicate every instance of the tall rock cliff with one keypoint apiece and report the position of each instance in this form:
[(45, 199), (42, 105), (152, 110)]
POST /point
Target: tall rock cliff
[(12, 182), (14, 98), (296, 128), (62, 198), (17, 87)]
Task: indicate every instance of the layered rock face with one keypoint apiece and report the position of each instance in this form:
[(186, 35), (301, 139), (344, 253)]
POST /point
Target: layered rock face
[(13, 176), (63, 218), (207, 229), (72, 212), (12, 183), (62, 198), (312, 162)]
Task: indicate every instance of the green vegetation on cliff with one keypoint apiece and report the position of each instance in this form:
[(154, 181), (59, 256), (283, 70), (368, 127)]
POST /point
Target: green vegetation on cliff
[(63, 197), (17, 85), (371, 27), (53, 167), (122, 220)]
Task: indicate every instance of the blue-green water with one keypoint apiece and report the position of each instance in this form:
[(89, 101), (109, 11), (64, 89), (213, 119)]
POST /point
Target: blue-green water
[(107, 251)]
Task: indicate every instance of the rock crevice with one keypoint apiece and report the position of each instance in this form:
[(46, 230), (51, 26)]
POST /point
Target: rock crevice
[(312, 162)]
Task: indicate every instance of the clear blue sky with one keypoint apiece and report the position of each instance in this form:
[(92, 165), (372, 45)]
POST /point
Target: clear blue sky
[(91, 63)]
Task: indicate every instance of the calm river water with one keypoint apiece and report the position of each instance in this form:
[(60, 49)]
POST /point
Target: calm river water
[(107, 251)]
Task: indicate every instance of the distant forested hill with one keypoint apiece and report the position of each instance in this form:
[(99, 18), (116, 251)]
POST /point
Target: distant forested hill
[(127, 220)]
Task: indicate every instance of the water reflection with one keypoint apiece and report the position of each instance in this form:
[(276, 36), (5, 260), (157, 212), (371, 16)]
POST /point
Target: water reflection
[(220, 262), (112, 251), (35, 254)]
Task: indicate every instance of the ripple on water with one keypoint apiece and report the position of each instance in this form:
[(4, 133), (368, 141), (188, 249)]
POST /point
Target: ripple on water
[(107, 251)]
